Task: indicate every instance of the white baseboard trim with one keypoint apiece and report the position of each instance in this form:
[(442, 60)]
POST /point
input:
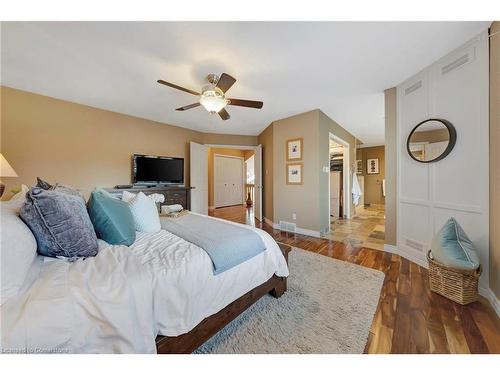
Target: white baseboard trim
[(491, 297), (407, 255), (305, 232), (308, 232)]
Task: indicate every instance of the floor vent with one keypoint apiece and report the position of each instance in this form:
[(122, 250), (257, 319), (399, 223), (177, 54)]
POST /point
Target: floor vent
[(455, 64), (415, 245), (287, 226)]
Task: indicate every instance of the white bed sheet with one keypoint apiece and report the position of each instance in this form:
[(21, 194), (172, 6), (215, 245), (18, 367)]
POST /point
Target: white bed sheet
[(118, 301), (194, 293), (98, 305)]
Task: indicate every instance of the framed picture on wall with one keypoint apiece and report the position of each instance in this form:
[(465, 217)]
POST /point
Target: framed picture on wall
[(294, 149), (359, 166), (294, 174), (372, 166)]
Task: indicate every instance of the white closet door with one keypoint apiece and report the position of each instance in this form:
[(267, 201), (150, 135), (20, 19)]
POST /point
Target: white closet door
[(228, 181), (219, 192), (235, 180)]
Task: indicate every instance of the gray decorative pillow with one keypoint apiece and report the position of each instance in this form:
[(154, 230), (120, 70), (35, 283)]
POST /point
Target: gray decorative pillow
[(66, 190), (60, 223)]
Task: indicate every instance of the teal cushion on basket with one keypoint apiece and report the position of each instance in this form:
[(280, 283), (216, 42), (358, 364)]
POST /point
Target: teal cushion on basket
[(112, 219), (451, 247)]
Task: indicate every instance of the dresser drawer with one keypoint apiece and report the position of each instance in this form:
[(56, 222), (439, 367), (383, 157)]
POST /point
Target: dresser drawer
[(175, 195), (181, 200)]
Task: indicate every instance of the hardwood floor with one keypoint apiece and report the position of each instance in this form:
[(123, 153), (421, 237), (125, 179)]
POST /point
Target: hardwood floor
[(409, 318)]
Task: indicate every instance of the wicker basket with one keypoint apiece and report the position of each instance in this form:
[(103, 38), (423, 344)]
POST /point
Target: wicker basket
[(458, 285)]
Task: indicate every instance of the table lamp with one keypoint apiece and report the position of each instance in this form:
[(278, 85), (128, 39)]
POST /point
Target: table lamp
[(5, 171)]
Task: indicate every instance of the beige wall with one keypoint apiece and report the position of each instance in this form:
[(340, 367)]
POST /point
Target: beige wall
[(494, 159), (266, 140), (390, 167), (299, 199), (228, 139), (328, 126), (219, 151), (247, 154), (83, 146), (373, 182), (309, 201)]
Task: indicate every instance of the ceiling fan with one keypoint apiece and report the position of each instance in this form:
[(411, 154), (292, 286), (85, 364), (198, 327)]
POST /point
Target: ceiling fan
[(213, 96)]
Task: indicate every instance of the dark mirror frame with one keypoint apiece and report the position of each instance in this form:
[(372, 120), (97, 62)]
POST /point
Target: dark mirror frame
[(451, 143)]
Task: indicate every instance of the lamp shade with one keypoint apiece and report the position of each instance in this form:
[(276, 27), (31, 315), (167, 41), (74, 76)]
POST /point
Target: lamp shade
[(5, 169)]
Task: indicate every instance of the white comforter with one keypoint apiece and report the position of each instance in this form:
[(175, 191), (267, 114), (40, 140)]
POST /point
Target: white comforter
[(120, 300)]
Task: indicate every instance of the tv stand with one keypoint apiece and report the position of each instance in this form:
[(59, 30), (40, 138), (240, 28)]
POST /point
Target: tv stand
[(173, 194)]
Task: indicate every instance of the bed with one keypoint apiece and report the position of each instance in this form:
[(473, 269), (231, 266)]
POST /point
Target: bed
[(157, 296)]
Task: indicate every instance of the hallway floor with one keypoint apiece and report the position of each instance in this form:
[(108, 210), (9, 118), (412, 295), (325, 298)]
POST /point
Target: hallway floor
[(366, 228)]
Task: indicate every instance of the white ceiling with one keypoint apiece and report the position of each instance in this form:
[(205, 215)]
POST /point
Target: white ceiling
[(340, 67)]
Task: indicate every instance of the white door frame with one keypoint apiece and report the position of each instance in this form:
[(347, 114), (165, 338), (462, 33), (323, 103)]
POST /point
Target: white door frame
[(243, 174), (238, 147), (346, 175)]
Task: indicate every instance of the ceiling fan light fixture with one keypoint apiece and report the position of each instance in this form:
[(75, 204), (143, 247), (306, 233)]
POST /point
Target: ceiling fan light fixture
[(213, 100)]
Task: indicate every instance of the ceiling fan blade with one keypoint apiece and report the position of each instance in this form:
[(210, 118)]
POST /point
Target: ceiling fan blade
[(174, 86), (246, 103), (224, 115), (225, 82), (189, 106)]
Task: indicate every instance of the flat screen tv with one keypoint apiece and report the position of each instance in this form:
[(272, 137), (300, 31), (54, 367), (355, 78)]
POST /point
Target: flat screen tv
[(147, 169)]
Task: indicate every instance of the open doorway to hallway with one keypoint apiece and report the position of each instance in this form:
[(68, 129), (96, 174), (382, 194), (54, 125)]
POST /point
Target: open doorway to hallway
[(366, 227), (232, 178)]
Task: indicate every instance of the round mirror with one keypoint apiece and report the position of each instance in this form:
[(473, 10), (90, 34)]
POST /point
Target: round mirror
[(431, 140)]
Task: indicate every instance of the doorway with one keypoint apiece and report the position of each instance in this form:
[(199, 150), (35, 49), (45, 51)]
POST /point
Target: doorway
[(338, 181), (337, 199), (366, 227), (213, 184)]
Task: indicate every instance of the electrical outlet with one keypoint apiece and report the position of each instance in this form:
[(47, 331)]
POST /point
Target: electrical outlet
[(294, 216)]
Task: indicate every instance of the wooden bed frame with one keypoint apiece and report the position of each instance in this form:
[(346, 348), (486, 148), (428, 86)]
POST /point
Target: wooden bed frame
[(190, 341)]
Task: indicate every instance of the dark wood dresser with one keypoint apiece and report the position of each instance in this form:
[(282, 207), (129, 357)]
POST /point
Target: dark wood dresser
[(173, 194)]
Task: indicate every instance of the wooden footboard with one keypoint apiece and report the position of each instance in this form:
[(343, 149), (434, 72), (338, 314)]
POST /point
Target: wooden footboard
[(190, 341)]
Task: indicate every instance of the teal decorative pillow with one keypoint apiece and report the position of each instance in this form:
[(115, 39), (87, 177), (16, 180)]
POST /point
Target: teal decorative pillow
[(451, 247), (112, 218)]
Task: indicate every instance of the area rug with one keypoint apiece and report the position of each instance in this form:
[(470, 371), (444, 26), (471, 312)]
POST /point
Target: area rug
[(328, 308)]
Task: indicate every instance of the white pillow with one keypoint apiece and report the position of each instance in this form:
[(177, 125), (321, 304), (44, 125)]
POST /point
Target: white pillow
[(127, 196), (17, 249), (145, 213), (21, 194)]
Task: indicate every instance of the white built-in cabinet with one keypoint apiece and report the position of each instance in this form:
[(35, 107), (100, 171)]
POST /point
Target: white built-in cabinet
[(454, 88)]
